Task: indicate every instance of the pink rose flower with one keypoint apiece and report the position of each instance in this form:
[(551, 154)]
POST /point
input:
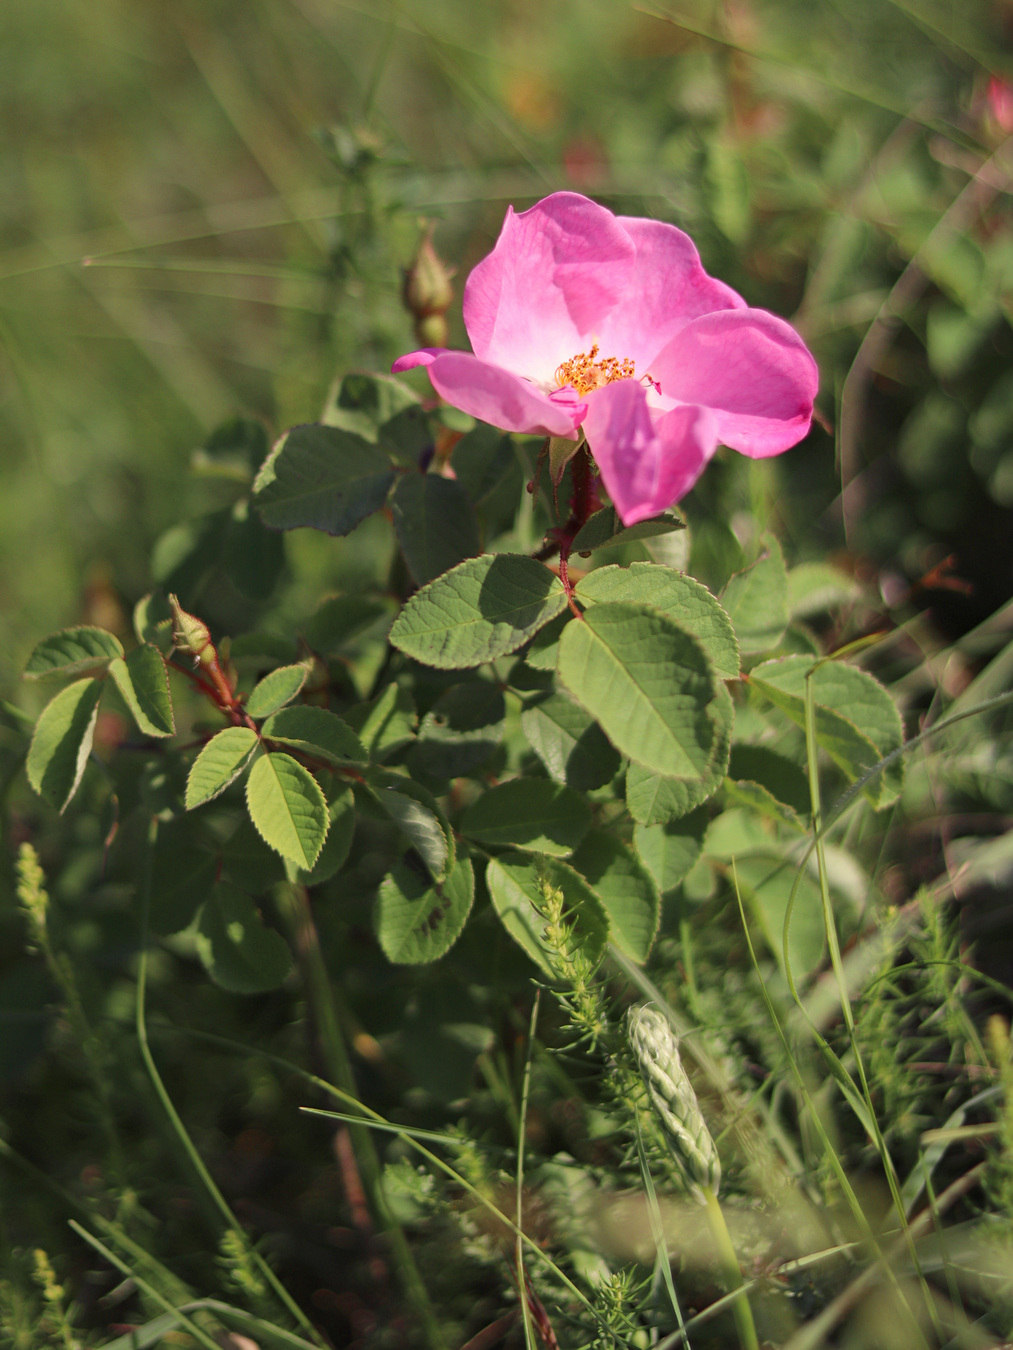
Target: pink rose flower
[(585, 322)]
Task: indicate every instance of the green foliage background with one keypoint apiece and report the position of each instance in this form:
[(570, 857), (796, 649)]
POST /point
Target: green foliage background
[(205, 210)]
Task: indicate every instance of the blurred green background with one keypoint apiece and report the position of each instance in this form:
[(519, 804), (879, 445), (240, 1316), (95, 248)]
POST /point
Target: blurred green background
[(204, 210)]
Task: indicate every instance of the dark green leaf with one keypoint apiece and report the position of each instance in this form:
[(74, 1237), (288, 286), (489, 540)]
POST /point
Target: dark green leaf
[(435, 522), (62, 742), (236, 949), (235, 450), (529, 813), (249, 862), (780, 776), (182, 875), (606, 530), (417, 920), (340, 619), (482, 609), (143, 681), (252, 555), (363, 404), (71, 651), (486, 464), (460, 731), (331, 859), (321, 477), (757, 599), (544, 650), (570, 743), (627, 890), (386, 723), (646, 682), (153, 621)]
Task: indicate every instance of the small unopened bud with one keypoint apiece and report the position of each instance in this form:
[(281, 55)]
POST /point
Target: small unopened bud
[(190, 634), (673, 1099), (427, 291), (432, 331)]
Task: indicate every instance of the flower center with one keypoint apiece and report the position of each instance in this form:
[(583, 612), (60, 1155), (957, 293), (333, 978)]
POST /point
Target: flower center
[(584, 373)]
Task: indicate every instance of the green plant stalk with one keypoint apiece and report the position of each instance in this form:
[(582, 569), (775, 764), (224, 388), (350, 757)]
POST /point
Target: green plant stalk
[(176, 1122), (834, 946), (741, 1310), (529, 1330), (293, 901)]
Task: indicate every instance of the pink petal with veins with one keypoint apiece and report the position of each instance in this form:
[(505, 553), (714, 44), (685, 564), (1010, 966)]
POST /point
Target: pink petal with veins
[(555, 274), (647, 461), (751, 369), (495, 395)]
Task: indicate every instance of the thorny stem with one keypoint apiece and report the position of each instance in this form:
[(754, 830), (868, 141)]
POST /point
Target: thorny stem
[(583, 503)]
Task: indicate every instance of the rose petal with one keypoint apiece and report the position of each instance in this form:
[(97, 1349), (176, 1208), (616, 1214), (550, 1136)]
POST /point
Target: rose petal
[(495, 395), (647, 461), (752, 369), (556, 272), (668, 287), (425, 356)]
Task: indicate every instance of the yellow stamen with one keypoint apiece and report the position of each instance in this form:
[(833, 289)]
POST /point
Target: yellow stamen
[(584, 373)]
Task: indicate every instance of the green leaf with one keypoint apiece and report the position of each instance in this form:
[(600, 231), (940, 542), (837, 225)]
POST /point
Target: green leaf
[(653, 799), (435, 522), (153, 621), (857, 721), (460, 731), (544, 650), (570, 743), (766, 884), (757, 599), (331, 859), (71, 651), (364, 403), (143, 681), (220, 763), (235, 450), (252, 555), (762, 801), (182, 875), (646, 682), (288, 808), (419, 824), (276, 689), (417, 920), (316, 732), (248, 861), (386, 723), (529, 813), (482, 609), (340, 619), (235, 947), (780, 776), (680, 597), (670, 851), (321, 477), (517, 884), (627, 890), (62, 742), (815, 587), (606, 530)]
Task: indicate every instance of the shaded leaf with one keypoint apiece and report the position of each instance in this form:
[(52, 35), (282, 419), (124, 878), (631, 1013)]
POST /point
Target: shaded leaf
[(316, 732), (235, 947), (570, 743), (460, 731), (435, 522), (529, 813), (386, 723), (671, 850), (653, 799), (757, 599), (606, 530), (321, 477), (340, 619)]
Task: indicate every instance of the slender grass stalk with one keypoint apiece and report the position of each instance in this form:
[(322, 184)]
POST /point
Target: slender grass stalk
[(140, 1022), (741, 1310), (529, 1330)]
